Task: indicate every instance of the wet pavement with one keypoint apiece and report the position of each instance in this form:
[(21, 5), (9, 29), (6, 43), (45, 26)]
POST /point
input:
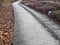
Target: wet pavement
[(53, 28), (28, 31)]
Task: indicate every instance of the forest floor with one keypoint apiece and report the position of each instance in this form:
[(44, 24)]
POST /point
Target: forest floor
[(6, 24)]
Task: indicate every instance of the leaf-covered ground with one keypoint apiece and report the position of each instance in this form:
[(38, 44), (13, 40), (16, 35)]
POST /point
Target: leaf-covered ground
[(6, 25), (45, 7)]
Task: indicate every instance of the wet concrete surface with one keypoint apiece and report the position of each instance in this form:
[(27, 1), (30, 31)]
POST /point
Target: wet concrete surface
[(53, 28), (28, 31)]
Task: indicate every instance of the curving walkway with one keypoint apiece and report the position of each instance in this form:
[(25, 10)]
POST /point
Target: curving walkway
[(28, 31)]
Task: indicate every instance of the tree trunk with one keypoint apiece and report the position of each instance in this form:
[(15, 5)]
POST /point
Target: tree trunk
[(0, 2)]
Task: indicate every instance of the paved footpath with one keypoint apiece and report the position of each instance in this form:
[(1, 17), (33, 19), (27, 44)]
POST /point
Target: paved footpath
[(28, 31)]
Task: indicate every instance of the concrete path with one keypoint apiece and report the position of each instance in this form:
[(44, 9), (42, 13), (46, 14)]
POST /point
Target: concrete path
[(53, 28), (28, 31)]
